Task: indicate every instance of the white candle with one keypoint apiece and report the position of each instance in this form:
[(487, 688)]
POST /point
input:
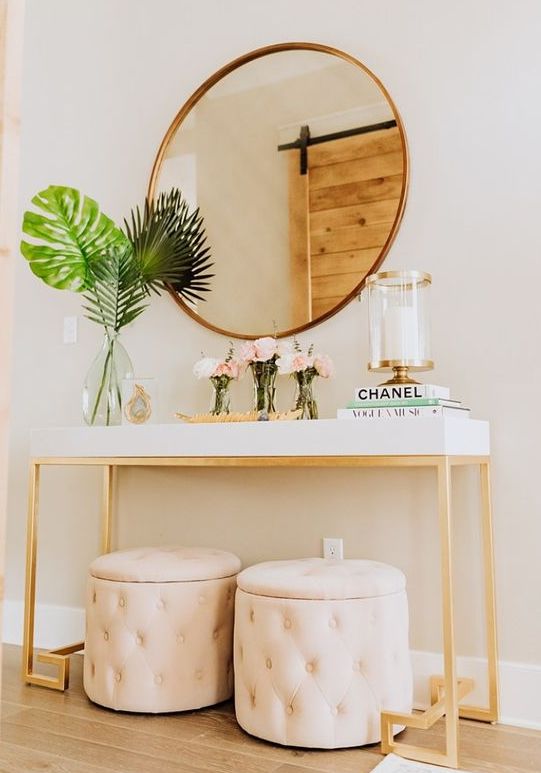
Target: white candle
[(400, 334)]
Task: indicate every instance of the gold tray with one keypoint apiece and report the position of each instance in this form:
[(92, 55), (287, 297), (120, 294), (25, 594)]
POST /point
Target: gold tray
[(223, 418)]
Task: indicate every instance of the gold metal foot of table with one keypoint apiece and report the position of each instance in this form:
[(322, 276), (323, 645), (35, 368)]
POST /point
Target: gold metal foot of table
[(60, 657)]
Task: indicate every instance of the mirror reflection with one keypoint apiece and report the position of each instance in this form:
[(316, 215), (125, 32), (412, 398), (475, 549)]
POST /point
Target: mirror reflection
[(298, 166)]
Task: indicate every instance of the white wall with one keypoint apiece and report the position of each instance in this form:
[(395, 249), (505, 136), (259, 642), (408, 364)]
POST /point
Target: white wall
[(102, 82)]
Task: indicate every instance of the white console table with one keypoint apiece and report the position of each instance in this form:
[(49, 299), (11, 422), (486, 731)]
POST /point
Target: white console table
[(438, 443)]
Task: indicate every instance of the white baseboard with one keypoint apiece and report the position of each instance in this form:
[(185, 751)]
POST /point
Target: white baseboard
[(520, 683), (54, 625)]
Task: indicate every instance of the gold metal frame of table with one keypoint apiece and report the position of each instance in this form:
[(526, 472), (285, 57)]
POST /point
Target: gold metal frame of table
[(447, 691)]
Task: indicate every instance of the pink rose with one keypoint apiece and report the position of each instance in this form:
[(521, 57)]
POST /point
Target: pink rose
[(222, 369), (265, 348), (324, 365), (247, 351), (300, 362), (236, 368)]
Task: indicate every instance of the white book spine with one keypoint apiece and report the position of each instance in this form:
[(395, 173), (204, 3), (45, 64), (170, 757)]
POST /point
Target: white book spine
[(400, 392), (402, 413)]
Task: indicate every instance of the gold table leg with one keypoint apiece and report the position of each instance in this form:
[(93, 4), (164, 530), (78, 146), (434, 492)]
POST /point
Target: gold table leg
[(448, 690), (60, 657)]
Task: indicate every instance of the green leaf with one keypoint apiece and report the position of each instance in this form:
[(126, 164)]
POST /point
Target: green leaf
[(169, 245), (71, 236), (116, 295)]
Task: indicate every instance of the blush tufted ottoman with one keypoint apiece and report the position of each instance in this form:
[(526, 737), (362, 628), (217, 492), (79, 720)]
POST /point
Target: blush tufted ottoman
[(159, 629), (321, 647)]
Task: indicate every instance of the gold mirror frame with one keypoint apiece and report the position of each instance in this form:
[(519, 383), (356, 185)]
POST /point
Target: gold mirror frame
[(202, 90)]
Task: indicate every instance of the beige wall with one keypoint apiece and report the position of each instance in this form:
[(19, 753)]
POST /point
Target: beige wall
[(102, 83)]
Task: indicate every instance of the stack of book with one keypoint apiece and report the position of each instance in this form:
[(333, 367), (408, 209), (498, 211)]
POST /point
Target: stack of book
[(395, 401)]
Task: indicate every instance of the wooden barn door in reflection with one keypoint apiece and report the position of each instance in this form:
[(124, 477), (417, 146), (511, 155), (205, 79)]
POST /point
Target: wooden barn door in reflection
[(341, 214)]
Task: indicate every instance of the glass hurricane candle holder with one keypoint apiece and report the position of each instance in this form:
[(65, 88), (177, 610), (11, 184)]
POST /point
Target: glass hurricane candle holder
[(398, 309)]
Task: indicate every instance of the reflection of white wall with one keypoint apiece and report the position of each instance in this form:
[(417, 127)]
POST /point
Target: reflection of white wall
[(242, 184), (180, 172)]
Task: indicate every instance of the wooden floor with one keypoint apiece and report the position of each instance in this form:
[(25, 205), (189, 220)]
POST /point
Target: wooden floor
[(56, 732)]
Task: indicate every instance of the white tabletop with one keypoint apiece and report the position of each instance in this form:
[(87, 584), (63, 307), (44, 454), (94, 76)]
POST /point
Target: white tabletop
[(325, 437)]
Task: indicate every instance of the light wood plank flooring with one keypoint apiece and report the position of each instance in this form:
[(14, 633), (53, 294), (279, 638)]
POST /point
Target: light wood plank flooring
[(55, 732)]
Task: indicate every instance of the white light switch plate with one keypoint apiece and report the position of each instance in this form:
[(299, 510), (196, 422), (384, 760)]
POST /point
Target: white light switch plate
[(70, 330)]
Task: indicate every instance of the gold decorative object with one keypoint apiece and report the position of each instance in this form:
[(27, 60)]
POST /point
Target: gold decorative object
[(138, 410), (399, 323), (210, 418)]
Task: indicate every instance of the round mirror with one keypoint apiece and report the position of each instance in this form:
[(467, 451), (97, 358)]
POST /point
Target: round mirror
[(296, 157)]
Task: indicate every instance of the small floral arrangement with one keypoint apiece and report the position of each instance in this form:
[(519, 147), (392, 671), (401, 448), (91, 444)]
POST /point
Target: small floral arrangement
[(220, 373), (261, 356), (303, 365)]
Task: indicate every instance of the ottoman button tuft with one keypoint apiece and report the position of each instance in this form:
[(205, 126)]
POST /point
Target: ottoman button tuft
[(311, 622), (146, 602)]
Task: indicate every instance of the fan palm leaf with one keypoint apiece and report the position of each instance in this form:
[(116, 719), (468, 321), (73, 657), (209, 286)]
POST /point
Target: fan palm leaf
[(169, 244)]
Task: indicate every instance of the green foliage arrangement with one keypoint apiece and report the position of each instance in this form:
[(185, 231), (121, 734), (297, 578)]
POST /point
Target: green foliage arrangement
[(77, 247)]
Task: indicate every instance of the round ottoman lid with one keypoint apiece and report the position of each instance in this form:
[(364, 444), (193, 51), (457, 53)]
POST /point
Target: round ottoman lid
[(321, 578), (168, 564)]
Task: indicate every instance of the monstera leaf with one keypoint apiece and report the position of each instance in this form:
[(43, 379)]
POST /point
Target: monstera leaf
[(71, 236)]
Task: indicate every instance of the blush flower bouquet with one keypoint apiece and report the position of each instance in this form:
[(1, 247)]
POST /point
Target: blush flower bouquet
[(221, 373), (261, 356), (303, 365)]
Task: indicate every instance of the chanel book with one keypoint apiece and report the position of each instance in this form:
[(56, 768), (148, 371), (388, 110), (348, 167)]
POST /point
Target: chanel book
[(400, 392)]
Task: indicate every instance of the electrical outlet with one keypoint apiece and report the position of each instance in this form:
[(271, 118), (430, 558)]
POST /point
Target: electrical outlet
[(70, 330), (333, 547)]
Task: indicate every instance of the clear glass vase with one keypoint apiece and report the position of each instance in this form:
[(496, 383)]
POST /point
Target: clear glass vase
[(264, 374), (304, 395), (102, 390), (221, 398)]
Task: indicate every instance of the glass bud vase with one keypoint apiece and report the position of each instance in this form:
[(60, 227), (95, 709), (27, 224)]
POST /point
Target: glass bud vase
[(102, 390), (221, 398), (264, 374), (304, 395)]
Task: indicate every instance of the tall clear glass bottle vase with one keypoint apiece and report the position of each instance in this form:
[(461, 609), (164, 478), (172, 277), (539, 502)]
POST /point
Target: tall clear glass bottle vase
[(102, 390)]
